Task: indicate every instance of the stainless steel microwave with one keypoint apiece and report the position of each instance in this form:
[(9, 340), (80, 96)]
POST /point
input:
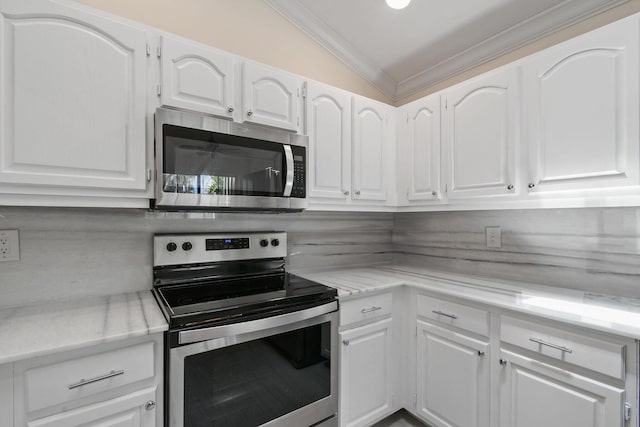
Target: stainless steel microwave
[(205, 163)]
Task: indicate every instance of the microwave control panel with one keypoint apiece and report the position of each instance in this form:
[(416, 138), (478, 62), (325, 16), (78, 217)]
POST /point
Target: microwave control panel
[(299, 171)]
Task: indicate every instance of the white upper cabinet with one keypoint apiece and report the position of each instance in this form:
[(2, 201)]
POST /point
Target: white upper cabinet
[(196, 77), (73, 92), (582, 101), (328, 113), (270, 96), (372, 150), (419, 151), (480, 134)]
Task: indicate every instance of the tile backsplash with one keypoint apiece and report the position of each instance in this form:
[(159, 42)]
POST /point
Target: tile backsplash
[(67, 252), (591, 249)]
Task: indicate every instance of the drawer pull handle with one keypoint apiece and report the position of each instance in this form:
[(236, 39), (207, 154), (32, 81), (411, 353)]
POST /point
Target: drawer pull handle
[(96, 379), (548, 344), (369, 310), (440, 313)]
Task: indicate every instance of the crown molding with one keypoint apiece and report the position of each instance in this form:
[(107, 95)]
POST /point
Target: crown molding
[(309, 23), (561, 16)]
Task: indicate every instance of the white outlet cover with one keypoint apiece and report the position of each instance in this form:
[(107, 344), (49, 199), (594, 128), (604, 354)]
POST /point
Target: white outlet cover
[(9, 245), (494, 237)]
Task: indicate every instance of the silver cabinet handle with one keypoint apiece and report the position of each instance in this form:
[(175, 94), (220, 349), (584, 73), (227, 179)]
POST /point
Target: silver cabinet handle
[(357, 192), (434, 193), (249, 113), (531, 185), (345, 192), (149, 405), (480, 353), (440, 313), (230, 109), (345, 342), (96, 379), (548, 344), (503, 362), (509, 187), (369, 310)]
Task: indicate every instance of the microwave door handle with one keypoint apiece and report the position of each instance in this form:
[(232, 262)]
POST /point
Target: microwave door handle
[(288, 186)]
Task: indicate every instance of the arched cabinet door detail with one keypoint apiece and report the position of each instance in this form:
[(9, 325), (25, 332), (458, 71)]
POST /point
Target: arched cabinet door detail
[(73, 93), (583, 131), (196, 77), (370, 142), (481, 122), (423, 122), (271, 97), (328, 114)]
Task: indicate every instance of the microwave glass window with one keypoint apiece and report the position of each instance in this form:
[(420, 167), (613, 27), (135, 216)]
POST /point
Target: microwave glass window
[(204, 162)]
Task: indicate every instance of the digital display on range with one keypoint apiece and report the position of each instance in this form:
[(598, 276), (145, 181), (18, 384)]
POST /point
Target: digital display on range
[(222, 244)]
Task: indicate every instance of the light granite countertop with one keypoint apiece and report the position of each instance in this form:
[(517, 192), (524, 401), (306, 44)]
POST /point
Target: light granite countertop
[(41, 329), (606, 313)]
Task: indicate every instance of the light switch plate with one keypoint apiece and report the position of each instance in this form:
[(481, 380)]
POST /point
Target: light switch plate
[(9, 245), (494, 237)]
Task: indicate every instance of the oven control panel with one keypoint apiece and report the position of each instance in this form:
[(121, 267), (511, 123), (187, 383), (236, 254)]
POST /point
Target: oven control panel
[(172, 249)]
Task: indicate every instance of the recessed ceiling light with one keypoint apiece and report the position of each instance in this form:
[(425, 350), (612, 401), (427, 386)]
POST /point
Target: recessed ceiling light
[(398, 4)]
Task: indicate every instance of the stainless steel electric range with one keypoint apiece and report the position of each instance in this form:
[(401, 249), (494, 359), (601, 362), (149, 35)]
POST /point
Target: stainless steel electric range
[(248, 343)]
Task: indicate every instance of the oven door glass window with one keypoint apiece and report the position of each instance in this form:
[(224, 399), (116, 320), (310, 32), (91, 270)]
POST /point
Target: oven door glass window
[(202, 162), (254, 382)]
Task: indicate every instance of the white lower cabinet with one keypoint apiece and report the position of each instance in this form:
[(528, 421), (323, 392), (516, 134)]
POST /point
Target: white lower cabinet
[(133, 410), (111, 385), (365, 374), (367, 368), (534, 394), (453, 377)]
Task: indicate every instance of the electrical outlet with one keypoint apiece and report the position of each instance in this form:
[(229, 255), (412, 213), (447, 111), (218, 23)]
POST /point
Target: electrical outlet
[(494, 237), (9, 245)]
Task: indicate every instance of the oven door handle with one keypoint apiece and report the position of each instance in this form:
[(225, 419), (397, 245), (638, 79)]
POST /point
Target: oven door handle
[(288, 187), (206, 334)]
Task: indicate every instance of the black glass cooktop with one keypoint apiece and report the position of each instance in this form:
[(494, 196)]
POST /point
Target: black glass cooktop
[(221, 300)]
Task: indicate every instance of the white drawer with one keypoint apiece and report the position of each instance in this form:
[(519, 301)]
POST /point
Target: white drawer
[(365, 308), (454, 314), (555, 342), (77, 378)]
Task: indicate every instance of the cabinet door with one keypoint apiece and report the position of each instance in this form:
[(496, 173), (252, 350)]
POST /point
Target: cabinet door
[(365, 374), (423, 154), (582, 99), (481, 125), (133, 410), (270, 97), (370, 143), (196, 78), (73, 93), (453, 378), (534, 394), (328, 113)]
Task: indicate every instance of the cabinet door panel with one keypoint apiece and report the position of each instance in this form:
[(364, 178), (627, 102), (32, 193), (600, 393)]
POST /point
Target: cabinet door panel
[(424, 140), (369, 149), (481, 124), (583, 111), (125, 411), (196, 78), (453, 377), (77, 118), (270, 97), (329, 129), (534, 394), (365, 374)]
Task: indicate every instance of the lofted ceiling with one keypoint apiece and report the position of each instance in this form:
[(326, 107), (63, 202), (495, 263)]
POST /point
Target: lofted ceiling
[(404, 51)]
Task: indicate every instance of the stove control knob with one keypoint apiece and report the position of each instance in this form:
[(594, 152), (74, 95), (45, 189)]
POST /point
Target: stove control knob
[(275, 242), (187, 246), (264, 243), (171, 246)]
